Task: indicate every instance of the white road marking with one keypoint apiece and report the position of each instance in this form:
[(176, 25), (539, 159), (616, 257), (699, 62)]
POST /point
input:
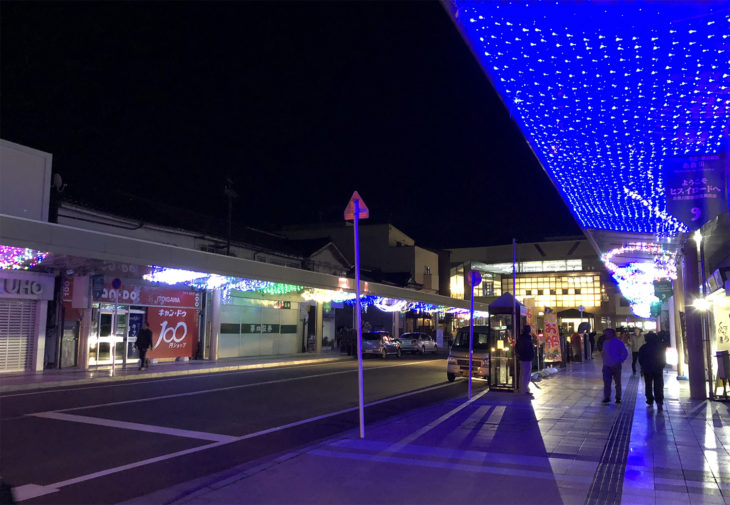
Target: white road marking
[(34, 490), (111, 423)]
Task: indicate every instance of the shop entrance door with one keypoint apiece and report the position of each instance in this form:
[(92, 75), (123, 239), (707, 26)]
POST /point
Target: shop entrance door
[(104, 337)]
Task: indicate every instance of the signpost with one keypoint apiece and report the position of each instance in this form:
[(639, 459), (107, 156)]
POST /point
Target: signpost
[(476, 279), (116, 284), (355, 210)]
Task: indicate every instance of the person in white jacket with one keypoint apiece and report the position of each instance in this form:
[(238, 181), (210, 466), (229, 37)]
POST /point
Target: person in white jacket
[(614, 354)]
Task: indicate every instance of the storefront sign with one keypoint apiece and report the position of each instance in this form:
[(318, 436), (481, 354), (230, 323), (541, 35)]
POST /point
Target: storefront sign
[(141, 295), (174, 332), (26, 286), (552, 338)]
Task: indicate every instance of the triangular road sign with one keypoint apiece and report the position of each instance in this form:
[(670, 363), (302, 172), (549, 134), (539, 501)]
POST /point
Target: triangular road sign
[(362, 208)]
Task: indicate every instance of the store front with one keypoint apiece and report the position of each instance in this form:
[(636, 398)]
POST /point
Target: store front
[(260, 327), (24, 300), (116, 316)]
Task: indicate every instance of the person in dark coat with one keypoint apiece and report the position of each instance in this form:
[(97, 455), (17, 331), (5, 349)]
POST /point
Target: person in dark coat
[(525, 354), (652, 360), (143, 344)]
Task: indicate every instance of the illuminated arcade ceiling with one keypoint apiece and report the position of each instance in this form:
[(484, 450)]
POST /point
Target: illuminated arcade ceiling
[(606, 92)]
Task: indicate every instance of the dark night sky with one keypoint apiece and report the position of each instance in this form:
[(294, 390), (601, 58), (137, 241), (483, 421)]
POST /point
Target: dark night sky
[(300, 103)]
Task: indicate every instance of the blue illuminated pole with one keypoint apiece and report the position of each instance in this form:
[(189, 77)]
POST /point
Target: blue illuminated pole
[(475, 278), (514, 312), (471, 332), (359, 325)]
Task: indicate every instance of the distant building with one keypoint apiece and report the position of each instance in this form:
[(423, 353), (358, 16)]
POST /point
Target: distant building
[(387, 254), (563, 275)]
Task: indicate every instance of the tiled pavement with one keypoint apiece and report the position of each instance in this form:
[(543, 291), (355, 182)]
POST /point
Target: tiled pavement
[(562, 447)]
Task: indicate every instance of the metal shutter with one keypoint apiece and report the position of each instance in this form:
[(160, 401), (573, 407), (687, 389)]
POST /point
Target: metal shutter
[(17, 334)]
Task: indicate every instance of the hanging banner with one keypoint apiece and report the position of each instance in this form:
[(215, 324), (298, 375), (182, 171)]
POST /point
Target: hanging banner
[(695, 188), (174, 332), (552, 338), (531, 318)]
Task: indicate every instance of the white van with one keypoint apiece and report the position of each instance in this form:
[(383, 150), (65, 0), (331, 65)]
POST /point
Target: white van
[(458, 362)]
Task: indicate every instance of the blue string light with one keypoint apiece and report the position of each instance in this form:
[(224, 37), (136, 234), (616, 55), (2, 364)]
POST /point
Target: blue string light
[(605, 93)]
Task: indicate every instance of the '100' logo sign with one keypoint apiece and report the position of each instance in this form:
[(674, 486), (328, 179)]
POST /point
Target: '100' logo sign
[(172, 335)]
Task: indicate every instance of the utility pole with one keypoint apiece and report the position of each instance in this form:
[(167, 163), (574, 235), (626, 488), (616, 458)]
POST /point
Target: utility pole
[(230, 195)]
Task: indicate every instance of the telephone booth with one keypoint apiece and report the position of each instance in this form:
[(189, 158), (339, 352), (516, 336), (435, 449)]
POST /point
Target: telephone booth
[(501, 341)]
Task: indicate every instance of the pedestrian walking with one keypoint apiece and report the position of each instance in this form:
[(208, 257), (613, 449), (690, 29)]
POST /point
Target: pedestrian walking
[(636, 342), (143, 344), (614, 353), (652, 359), (525, 354)]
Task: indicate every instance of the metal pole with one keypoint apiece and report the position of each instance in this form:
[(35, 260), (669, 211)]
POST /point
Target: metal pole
[(514, 313), (705, 322), (359, 325), (471, 330), (113, 343)]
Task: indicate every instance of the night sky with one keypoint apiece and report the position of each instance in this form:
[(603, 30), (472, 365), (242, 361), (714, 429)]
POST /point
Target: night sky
[(298, 103)]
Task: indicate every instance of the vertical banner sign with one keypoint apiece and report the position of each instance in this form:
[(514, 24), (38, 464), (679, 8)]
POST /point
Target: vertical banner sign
[(552, 338), (695, 188), (529, 304), (174, 332)]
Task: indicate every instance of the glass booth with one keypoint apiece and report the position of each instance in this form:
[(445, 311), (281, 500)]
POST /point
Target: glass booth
[(502, 341)]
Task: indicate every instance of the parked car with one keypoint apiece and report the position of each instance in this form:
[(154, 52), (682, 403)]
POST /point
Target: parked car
[(417, 342), (379, 343), (458, 362)]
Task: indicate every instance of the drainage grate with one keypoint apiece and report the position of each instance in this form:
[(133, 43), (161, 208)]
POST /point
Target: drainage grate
[(608, 481)]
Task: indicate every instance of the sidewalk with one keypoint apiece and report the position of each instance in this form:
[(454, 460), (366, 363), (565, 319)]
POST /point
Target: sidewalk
[(25, 381), (563, 447)]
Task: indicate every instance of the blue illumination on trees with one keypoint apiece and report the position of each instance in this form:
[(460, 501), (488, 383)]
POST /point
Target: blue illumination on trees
[(605, 92)]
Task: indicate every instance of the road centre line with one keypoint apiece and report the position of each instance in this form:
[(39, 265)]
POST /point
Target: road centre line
[(227, 388), (145, 379), (29, 491), (111, 423)]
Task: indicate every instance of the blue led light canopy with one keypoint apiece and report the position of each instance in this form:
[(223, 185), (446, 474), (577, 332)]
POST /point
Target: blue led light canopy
[(607, 94)]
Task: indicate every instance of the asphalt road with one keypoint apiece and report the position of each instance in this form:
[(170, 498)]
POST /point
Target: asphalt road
[(112, 442)]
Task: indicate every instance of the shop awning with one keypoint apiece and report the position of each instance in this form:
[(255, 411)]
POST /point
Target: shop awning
[(65, 240), (505, 304)]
